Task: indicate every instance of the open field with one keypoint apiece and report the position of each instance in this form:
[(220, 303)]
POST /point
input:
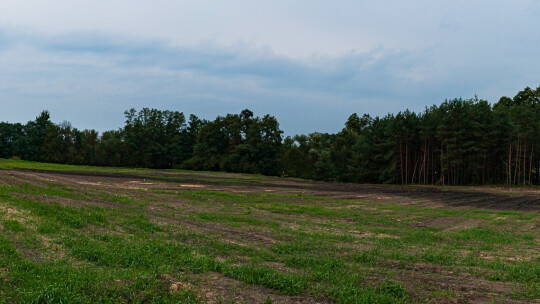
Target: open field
[(90, 235)]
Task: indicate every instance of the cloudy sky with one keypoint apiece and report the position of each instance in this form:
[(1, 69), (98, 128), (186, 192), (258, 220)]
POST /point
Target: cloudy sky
[(309, 63)]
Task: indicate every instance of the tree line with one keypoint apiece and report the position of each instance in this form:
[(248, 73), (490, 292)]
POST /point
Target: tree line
[(459, 142)]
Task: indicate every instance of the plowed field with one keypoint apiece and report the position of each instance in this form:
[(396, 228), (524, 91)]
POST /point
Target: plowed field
[(84, 235)]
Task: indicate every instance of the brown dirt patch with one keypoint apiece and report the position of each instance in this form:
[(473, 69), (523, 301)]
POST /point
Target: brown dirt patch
[(3, 274), (281, 267), (13, 214), (447, 223), (217, 288), (425, 281), (235, 235), (68, 201), (57, 250), (458, 197)]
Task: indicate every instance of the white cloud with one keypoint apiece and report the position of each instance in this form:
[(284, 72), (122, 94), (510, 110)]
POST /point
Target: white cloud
[(310, 63)]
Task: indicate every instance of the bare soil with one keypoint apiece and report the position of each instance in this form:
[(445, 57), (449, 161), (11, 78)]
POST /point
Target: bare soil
[(494, 198), (419, 279)]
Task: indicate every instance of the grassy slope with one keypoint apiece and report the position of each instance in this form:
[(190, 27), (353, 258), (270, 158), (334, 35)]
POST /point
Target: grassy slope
[(73, 243)]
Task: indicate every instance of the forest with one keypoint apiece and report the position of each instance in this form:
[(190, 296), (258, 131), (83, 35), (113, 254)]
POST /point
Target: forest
[(459, 142)]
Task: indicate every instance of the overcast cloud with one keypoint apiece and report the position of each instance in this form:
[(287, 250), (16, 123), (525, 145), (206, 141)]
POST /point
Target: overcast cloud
[(309, 63)]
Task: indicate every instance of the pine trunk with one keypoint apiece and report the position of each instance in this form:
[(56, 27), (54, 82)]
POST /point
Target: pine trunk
[(401, 160), (530, 164), (442, 163), (509, 165), (524, 162)]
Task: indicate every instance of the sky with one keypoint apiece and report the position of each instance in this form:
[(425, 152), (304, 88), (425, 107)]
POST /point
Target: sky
[(308, 63)]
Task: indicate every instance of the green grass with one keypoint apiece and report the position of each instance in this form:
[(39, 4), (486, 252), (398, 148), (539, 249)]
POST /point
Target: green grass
[(65, 242), (173, 174)]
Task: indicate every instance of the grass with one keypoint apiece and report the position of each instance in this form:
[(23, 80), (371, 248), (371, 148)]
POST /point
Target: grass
[(65, 240), (122, 171)]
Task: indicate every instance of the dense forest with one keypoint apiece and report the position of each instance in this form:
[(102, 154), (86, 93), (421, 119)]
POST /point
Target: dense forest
[(459, 142)]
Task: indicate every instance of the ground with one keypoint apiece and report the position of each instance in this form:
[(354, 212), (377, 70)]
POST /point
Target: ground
[(76, 234)]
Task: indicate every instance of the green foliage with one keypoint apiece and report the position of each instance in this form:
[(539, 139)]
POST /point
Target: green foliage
[(461, 141), (13, 225), (238, 143)]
